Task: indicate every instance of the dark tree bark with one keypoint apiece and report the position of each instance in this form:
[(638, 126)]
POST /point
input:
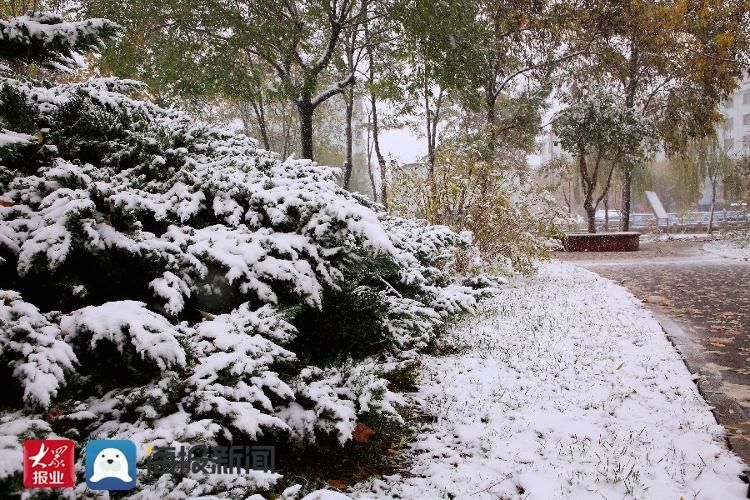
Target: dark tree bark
[(490, 101), (287, 132), (431, 121), (305, 109), (374, 114), (378, 154), (349, 44), (627, 175), (713, 178), (260, 116), (627, 180), (606, 214), (369, 157), (490, 98), (589, 182), (349, 163)]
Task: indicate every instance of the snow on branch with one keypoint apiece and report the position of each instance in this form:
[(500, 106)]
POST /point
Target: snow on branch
[(33, 349), (127, 323), (45, 39)]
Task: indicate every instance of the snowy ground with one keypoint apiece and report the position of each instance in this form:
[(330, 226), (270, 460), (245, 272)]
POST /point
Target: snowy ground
[(726, 234), (564, 387), (733, 249), (702, 236)]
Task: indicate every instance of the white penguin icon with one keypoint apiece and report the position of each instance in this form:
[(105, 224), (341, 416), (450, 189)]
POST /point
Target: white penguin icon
[(111, 462)]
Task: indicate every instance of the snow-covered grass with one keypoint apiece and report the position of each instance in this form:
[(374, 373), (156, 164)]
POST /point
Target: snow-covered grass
[(563, 387), (726, 234), (678, 236), (733, 249)]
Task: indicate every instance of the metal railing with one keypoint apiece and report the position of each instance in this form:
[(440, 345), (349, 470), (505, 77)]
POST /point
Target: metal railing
[(680, 220)]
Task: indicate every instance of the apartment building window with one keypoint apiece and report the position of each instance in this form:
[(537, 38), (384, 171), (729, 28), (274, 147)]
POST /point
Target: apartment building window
[(746, 141), (746, 98), (746, 119), (729, 104), (729, 125)]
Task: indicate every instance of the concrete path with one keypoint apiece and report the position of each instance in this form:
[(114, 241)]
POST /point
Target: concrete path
[(703, 303)]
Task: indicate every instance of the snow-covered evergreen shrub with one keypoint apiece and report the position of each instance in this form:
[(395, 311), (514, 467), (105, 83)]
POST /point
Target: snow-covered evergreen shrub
[(170, 283), (43, 38)]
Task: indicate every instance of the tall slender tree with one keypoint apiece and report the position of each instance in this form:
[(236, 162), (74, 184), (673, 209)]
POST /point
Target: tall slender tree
[(712, 164), (601, 133), (440, 56)]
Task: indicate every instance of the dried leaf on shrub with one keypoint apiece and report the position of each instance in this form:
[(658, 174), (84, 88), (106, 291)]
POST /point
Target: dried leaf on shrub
[(335, 483), (362, 433)]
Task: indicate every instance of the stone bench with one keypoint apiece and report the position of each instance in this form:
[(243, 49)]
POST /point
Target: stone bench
[(601, 242)]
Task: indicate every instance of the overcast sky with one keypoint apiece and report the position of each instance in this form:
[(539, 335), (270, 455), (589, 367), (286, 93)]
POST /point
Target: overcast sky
[(403, 144)]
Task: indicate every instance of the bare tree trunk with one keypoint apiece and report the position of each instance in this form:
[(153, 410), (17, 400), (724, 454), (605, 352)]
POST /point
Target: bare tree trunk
[(428, 127), (591, 218), (350, 41), (260, 116), (375, 128), (490, 102), (606, 214), (569, 202), (588, 183), (589, 180), (378, 154), (287, 131), (435, 119), (627, 176), (369, 157), (245, 115), (431, 119), (372, 180), (713, 206), (305, 110), (349, 164)]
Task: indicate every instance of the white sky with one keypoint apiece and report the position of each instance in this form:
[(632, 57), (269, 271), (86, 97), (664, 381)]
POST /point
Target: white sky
[(403, 145)]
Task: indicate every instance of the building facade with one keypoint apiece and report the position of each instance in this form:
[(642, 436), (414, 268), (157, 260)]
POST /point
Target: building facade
[(734, 133)]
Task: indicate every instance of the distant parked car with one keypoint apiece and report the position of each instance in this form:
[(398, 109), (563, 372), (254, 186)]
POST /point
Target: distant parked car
[(642, 219), (614, 217)]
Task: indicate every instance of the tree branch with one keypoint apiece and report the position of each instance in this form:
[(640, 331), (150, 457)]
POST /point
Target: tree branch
[(333, 90)]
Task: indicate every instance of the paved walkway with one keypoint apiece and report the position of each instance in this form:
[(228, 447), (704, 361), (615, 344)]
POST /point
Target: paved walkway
[(703, 302)]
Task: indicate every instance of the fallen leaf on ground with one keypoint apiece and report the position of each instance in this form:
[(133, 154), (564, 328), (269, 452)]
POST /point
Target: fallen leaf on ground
[(720, 341)]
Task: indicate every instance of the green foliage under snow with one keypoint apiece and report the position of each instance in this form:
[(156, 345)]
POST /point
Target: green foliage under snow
[(171, 283)]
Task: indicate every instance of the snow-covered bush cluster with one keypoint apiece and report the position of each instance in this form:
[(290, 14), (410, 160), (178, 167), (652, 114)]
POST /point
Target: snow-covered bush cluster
[(170, 283), (486, 187), (44, 39)]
